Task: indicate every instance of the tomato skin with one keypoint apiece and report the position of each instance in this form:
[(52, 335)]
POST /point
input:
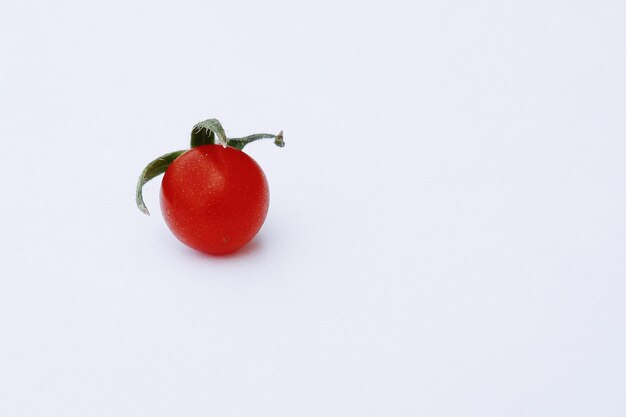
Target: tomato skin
[(214, 199)]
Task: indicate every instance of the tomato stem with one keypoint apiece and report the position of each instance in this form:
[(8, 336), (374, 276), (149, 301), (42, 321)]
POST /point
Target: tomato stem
[(204, 133)]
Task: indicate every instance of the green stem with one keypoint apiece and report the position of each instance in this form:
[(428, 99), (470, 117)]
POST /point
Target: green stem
[(204, 133), (239, 143), (154, 168)]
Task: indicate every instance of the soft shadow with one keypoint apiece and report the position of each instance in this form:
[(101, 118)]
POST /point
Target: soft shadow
[(252, 248)]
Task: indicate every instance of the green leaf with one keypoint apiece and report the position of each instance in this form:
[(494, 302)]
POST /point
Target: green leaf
[(154, 168), (239, 143)]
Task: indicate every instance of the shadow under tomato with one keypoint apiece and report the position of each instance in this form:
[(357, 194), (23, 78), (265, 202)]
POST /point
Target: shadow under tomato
[(250, 249)]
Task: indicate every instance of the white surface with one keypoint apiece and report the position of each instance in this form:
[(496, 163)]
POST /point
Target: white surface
[(446, 233)]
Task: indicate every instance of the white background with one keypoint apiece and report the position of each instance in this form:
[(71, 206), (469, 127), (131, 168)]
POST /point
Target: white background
[(446, 232)]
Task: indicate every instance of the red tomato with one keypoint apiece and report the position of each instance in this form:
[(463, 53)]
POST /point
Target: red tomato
[(214, 199)]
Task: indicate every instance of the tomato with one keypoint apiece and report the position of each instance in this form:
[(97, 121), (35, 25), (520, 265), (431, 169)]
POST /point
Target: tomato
[(214, 199)]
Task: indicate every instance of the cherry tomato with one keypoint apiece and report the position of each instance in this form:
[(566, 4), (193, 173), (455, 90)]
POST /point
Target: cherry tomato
[(214, 199)]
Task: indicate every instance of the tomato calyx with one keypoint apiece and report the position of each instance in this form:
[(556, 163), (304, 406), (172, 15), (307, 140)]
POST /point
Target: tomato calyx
[(153, 169), (203, 133), (239, 143)]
